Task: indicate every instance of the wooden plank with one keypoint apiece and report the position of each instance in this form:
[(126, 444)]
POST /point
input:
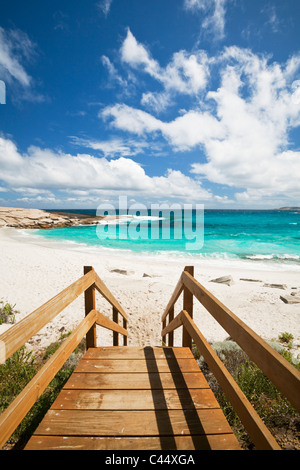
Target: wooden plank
[(283, 374), (18, 409), (19, 334), (137, 365), (133, 423), (209, 442), (135, 399), (131, 352), (141, 381), (158, 410), (259, 433), (106, 322)]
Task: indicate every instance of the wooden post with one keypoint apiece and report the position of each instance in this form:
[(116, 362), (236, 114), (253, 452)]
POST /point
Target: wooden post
[(164, 338), (125, 337), (171, 335), (188, 307), (90, 304), (115, 333)]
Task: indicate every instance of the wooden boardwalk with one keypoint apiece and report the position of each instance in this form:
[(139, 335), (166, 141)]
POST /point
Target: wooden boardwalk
[(121, 398), (126, 398)]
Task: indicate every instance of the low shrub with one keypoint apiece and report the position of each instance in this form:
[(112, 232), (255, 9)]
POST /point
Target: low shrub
[(273, 408), (16, 373), (7, 313)]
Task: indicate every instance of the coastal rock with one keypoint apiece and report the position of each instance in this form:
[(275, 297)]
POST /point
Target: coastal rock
[(276, 286), (125, 272), (228, 280), (290, 299), (37, 218), (296, 209)]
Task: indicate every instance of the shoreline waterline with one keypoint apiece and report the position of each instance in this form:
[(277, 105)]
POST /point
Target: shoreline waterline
[(31, 236), (258, 261), (33, 272), (264, 237)]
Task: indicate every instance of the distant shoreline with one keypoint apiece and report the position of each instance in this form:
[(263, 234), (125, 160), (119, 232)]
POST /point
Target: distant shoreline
[(32, 272), (254, 238), (21, 218), (297, 209)]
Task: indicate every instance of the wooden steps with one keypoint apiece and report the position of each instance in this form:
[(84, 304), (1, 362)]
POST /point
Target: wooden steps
[(126, 398)]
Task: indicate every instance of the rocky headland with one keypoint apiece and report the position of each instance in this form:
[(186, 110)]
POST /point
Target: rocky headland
[(40, 219), (296, 209)]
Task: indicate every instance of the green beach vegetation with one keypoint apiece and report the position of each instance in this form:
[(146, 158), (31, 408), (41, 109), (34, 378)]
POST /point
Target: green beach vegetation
[(280, 417), (17, 372), (7, 313)]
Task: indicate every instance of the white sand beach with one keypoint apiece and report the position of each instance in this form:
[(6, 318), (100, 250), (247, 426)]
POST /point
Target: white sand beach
[(33, 270)]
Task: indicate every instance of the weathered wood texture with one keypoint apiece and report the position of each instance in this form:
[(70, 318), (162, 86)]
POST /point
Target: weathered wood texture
[(283, 374), (260, 434), (19, 334), (135, 398), (18, 409), (16, 336), (142, 398)]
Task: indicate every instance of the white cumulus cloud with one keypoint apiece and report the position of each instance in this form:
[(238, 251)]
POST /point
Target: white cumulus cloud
[(243, 125), (186, 73), (57, 171)]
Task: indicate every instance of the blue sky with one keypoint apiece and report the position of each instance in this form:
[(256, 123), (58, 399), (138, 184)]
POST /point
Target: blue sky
[(191, 101)]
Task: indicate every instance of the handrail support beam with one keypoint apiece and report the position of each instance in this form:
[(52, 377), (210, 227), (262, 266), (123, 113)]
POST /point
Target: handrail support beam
[(188, 307)]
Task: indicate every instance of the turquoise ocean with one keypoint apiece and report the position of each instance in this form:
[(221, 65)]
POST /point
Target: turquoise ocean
[(271, 237)]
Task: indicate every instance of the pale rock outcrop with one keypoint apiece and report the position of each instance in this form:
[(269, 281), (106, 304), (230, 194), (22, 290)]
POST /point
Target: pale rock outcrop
[(37, 218)]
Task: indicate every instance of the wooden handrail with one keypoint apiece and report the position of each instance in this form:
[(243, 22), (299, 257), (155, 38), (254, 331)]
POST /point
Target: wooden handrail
[(17, 410), (258, 431), (103, 290), (177, 291), (104, 321), (284, 376), (19, 334), (173, 325)]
